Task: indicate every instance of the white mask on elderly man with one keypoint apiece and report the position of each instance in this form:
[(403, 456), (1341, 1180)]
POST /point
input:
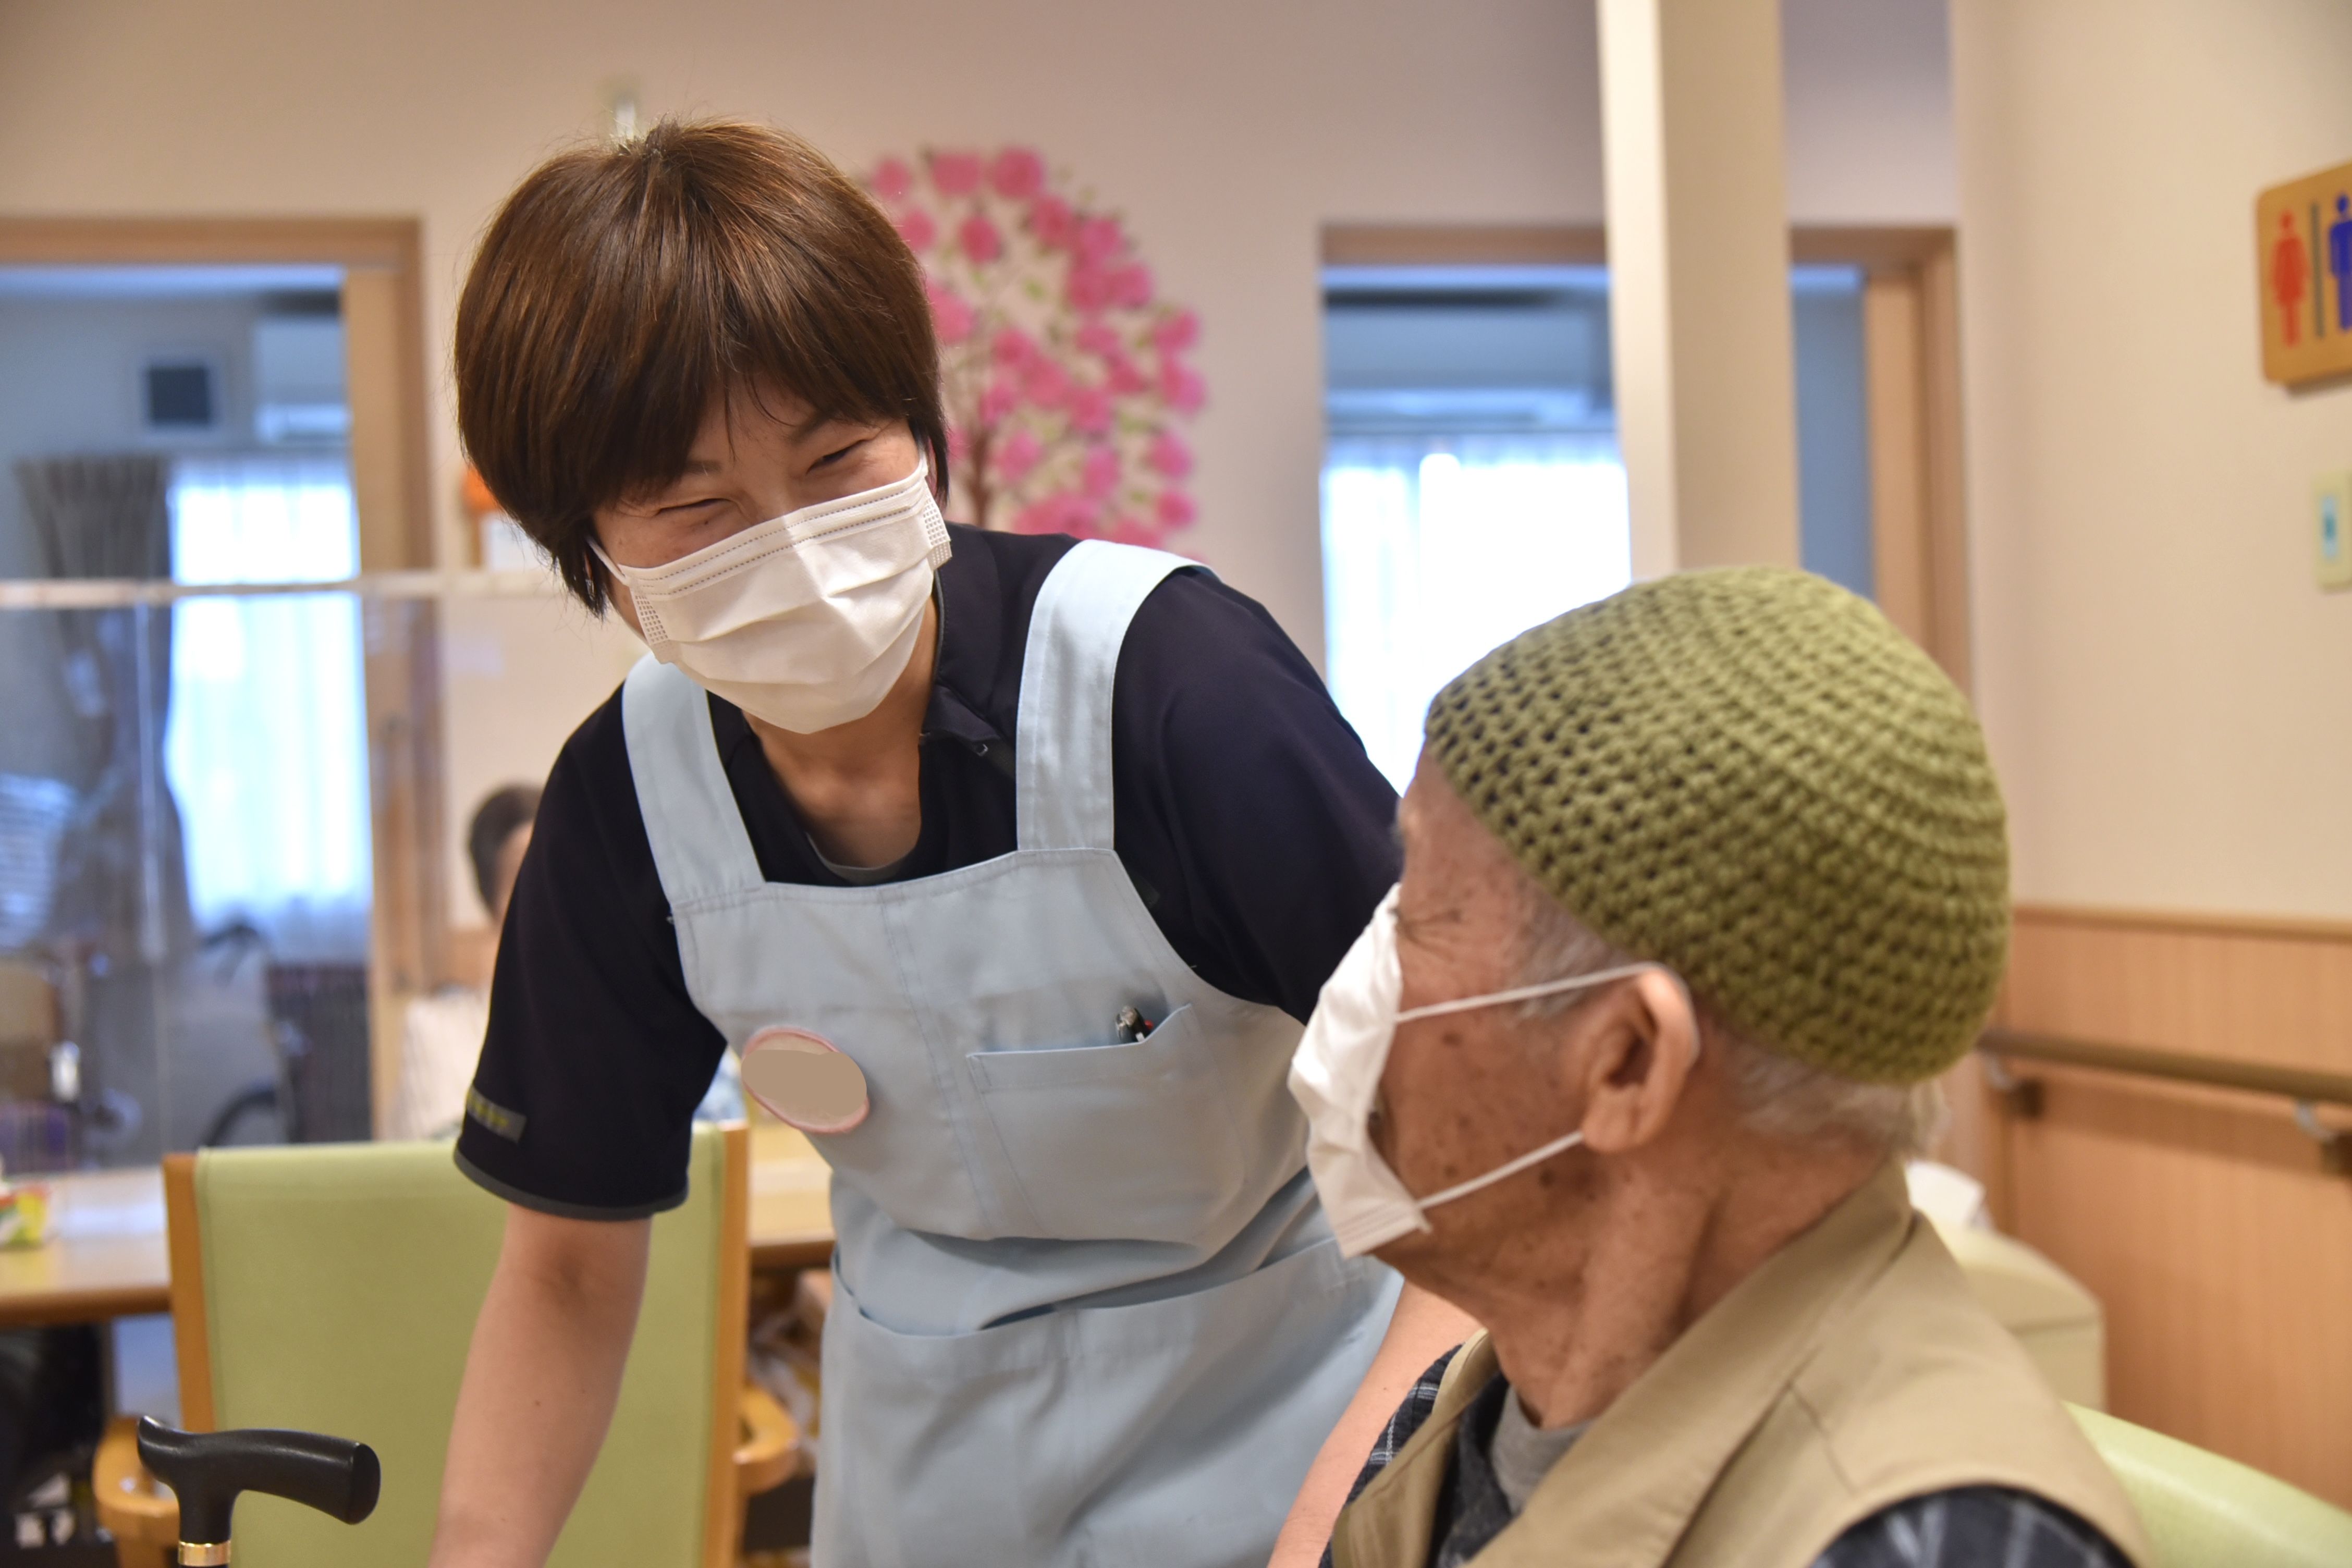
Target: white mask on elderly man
[(1336, 1078), (806, 620)]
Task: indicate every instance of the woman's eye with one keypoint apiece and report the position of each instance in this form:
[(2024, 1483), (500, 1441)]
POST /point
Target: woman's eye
[(832, 458)]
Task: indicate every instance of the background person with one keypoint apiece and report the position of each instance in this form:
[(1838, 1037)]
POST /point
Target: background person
[(1703, 885), (1053, 841)]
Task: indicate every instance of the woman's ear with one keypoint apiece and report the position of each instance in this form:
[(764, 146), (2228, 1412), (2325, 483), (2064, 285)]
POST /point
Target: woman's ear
[(1634, 1054), (617, 595)]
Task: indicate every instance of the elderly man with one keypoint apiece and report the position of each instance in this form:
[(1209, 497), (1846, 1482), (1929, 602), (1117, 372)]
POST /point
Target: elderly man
[(1703, 885)]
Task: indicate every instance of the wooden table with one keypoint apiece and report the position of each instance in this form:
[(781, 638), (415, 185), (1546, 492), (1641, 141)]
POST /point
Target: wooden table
[(106, 1255), (792, 1206)]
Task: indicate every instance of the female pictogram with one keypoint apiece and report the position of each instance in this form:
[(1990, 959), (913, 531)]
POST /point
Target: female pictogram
[(2290, 276)]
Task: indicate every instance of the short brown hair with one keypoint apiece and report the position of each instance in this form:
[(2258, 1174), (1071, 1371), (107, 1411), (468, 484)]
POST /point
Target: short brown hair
[(624, 288)]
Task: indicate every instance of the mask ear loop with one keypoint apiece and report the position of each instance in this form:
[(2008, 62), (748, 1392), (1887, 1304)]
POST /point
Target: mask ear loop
[(1528, 993)]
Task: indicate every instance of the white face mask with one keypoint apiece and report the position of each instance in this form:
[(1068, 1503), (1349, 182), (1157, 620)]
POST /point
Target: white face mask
[(806, 620), (1336, 1078)]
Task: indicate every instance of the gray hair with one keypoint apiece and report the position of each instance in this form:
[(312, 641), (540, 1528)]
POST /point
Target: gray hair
[(1777, 1095)]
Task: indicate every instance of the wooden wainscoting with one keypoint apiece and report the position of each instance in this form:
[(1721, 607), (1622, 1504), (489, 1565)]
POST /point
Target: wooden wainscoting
[(2202, 1218)]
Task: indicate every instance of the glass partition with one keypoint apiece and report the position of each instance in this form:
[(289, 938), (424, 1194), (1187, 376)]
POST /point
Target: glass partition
[(192, 801)]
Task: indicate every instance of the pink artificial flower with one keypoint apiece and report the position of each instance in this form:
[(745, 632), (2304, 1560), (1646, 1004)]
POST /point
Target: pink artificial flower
[(916, 227), (1168, 455), (980, 240), (1100, 240), (956, 174), (1175, 510), (1131, 286), (1060, 512), (1124, 379), (998, 400), (1099, 476), (1017, 173), (1044, 384), (1099, 338), (1087, 289), (1017, 455), (1182, 385), (951, 317), (1011, 348), (1052, 221), (1174, 334), (893, 179), (1090, 410)]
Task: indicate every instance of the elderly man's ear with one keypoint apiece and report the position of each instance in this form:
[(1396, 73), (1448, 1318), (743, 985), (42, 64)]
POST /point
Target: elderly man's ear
[(1633, 1052)]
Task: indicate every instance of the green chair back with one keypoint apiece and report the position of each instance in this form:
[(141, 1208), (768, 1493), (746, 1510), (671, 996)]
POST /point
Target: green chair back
[(2201, 1511), (340, 1284)]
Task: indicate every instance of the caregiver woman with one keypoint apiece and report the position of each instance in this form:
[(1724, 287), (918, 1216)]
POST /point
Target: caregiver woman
[(1052, 843)]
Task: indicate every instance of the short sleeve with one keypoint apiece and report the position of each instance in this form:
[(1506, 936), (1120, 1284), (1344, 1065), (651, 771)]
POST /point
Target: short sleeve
[(1248, 811), (583, 1103)]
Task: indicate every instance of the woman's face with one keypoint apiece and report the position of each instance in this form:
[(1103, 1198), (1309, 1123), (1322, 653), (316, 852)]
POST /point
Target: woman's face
[(754, 458)]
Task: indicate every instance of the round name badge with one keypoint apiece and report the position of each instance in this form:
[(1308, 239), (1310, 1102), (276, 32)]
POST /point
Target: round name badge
[(803, 1080)]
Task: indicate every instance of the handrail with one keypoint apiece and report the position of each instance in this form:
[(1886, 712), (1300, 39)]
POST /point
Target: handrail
[(2255, 1078), (2306, 1087)]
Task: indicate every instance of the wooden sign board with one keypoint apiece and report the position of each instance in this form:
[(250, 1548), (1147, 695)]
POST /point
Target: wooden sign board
[(2303, 242)]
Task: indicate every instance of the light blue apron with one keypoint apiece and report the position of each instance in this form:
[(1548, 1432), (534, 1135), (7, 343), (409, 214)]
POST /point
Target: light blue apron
[(1087, 1309)]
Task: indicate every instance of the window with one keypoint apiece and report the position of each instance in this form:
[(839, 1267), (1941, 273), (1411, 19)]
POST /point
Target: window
[(1472, 486), (1436, 549), (266, 748), (1472, 483)]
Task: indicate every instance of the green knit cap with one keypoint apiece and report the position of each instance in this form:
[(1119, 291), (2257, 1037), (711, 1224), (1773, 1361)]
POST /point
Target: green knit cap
[(1750, 777)]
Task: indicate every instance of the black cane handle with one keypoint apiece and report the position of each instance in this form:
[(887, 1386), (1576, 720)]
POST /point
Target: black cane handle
[(207, 1471)]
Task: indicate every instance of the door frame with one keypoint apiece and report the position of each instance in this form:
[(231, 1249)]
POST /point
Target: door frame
[(381, 260)]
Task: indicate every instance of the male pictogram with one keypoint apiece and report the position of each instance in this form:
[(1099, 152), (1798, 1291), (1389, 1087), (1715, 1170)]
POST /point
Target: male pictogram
[(2290, 275), (2339, 261)]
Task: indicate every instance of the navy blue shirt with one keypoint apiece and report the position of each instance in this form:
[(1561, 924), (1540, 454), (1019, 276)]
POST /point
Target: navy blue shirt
[(1256, 829)]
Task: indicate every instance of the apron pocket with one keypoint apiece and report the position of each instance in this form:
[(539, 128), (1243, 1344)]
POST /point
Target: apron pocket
[(1126, 1142)]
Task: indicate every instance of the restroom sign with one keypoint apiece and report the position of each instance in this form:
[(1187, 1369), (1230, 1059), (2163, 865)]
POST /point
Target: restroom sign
[(2303, 233)]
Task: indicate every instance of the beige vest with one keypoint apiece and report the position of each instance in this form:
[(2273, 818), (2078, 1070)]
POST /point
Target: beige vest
[(1852, 1371)]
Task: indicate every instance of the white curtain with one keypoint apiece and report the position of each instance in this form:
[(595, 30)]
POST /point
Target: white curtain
[(268, 745), (1436, 549)]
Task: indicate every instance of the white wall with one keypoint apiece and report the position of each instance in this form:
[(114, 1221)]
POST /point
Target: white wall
[(1869, 112), (2168, 695), (1229, 130)]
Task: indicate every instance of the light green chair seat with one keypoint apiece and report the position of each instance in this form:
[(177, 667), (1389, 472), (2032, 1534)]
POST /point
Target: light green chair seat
[(2201, 1511), (341, 1284)]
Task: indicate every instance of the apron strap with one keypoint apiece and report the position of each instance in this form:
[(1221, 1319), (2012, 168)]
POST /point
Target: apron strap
[(1062, 751), (700, 847)]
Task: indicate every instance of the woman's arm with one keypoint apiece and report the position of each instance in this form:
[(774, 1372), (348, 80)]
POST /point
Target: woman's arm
[(1423, 1329), (542, 1380)]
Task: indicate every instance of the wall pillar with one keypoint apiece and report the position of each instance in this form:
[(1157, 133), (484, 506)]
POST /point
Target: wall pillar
[(1698, 266)]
